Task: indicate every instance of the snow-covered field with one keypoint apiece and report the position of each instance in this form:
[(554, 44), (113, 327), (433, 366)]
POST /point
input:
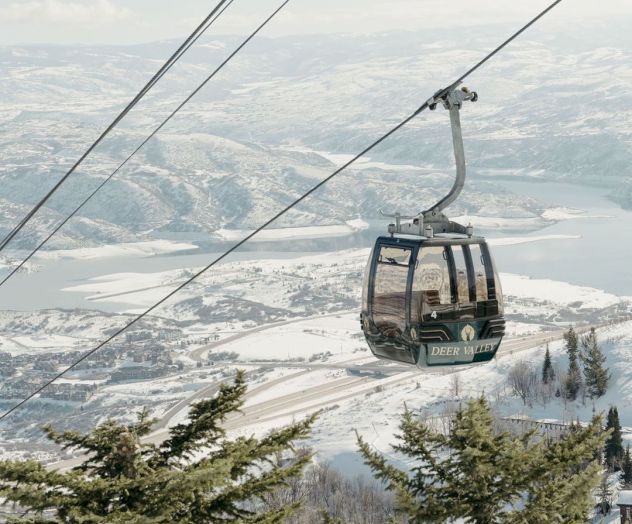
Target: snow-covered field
[(556, 293), (295, 233), (140, 249)]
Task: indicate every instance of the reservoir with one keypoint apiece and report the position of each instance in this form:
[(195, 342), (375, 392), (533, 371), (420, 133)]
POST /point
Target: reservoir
[(599, 259)]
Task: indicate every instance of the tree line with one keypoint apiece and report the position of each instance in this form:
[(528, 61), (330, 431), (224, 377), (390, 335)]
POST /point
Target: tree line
[(586, 376), (471, 471)]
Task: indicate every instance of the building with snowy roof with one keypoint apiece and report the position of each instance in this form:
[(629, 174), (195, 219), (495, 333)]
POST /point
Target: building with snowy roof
[(625, 506)]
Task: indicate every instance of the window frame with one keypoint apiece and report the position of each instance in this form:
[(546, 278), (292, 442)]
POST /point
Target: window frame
[(411, 245), (415, 246), (490, 272)]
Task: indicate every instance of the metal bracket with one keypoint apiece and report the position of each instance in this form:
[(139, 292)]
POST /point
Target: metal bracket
[(415, 227)]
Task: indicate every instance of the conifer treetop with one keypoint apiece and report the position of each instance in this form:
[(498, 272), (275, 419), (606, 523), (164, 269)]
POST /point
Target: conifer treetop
[(485, 476), (195, 476)]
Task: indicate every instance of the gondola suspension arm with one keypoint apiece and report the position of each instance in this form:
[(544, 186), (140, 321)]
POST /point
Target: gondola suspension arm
[(432, 221), (434, 217), (453, 103)]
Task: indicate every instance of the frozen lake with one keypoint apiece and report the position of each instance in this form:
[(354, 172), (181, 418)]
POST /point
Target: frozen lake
[(599, 259)]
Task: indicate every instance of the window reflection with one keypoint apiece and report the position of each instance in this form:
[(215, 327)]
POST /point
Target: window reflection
[(389, 297), (462, 283), (453, 283), (431, 283), (480, 276)]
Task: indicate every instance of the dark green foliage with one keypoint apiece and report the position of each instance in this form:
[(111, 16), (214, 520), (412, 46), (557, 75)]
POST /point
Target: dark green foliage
[(573, 382), (614, 444), (484, 476), (329, 520), (626, 470), (548, 373), (572, 343), (195, 476), (595, 374), (604, 495)]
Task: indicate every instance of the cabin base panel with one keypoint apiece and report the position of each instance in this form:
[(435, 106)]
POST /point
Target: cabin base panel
[(434, 354)]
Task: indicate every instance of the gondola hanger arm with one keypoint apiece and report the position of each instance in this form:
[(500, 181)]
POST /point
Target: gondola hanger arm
[(453, 101)]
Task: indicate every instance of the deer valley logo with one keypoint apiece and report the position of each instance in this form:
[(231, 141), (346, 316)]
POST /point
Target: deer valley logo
[(468, 333)]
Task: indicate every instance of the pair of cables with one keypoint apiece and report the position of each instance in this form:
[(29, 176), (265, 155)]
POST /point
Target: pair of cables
[(436, 97), (149, 137), (164, 69)]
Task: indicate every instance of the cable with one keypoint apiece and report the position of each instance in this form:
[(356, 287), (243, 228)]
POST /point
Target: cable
[(453, 85), (164, 122), (437, 96), (157, 76), (248, 237)]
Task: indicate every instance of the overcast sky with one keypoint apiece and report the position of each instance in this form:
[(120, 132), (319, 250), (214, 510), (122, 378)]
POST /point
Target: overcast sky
[(133, 21)]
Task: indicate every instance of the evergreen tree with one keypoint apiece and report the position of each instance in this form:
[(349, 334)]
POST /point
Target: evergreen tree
[(595, 374), (573, 379), (626, 470), (483, 476), (572, 343), (197, 475), (548, 373), (604, 495), (614, 444)]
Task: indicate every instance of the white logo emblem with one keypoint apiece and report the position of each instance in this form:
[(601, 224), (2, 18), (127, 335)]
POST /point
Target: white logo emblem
[(468, 333)]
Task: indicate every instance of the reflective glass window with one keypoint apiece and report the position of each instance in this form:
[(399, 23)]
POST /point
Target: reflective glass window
[(431, 282), (480, 276), (462, 282), (389, 293)]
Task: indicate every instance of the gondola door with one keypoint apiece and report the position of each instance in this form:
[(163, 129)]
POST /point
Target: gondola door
[(388, 301)]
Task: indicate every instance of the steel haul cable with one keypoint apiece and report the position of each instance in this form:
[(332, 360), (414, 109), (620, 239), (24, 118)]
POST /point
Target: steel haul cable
[(193, 37), (142, 144), (277, 216)]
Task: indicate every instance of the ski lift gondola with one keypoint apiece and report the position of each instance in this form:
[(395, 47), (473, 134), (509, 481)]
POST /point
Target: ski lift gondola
[(431, 294)]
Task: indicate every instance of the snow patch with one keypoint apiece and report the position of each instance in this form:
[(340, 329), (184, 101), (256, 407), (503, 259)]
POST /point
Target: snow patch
[(560, 293), (151, 248), (294, 233)]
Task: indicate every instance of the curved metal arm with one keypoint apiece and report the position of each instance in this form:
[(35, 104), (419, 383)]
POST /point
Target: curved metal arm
[(433, 220), (459, 157), (453, 102)]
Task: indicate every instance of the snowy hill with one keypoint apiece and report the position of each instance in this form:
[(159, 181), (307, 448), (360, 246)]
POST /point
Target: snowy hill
[(249, 143)]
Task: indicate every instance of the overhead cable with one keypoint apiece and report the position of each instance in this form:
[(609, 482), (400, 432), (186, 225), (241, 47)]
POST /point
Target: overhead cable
[(269, 221), (142, 144), (193, 37)]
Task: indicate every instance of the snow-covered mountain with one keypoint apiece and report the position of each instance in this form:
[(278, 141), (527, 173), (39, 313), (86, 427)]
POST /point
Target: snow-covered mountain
[(550, 106)]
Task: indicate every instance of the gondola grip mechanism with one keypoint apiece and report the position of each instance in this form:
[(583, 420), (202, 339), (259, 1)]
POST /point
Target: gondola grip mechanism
[(413, 228)]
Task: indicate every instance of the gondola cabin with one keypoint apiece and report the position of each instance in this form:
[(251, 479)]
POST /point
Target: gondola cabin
[(432, 301), (431, 294)]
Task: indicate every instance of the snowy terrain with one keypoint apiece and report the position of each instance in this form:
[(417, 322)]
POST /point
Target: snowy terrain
[(255, 312), (271, 126)]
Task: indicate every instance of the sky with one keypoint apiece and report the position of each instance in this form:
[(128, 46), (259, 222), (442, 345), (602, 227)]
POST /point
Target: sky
[(136, 21)]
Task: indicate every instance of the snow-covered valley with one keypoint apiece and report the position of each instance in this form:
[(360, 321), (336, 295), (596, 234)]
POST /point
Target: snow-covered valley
[(549, 184)]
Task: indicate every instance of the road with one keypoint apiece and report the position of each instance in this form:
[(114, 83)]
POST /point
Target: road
[(310, 399), (196, 354), (212, 389), (369, 374)]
